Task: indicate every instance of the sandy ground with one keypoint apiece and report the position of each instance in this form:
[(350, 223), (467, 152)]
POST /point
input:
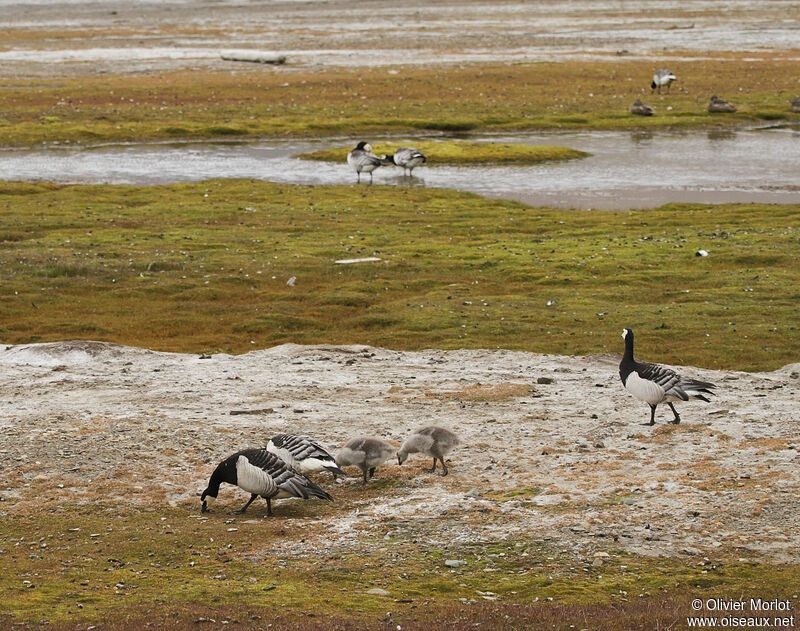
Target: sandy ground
[(146, 428), (46, 36)]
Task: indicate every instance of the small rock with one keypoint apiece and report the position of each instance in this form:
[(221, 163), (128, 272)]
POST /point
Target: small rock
[(701, 253), (377, 591), (545, 380), (454, 562), (473, 492)]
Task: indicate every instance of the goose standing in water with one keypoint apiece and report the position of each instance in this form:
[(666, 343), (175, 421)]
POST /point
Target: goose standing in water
[(260, 472), (365, 453), (720, 106), (660, 78), (640, 109), (435, 442), (303, 453), (361, 159), (408, 158), (656, 384)]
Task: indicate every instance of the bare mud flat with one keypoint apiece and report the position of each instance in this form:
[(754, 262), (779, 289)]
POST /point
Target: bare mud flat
[(566, 462), (115, 36)]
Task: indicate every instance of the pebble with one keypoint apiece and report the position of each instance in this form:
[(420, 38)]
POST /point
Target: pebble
[(454, 562), (377, 591)]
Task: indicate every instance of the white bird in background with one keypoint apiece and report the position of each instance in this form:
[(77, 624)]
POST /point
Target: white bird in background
[(660, 78)]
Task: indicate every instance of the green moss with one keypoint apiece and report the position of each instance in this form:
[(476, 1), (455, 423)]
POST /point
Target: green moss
[(456, 271), (461, 152)]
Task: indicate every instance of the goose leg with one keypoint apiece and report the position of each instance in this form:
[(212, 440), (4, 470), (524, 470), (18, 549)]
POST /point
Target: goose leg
[(434, 465), (652, 416), (365, 474), (372, 472), (444, 466), (250, 501), (358, 177), (370, 177), (269, 507), (677, 418)]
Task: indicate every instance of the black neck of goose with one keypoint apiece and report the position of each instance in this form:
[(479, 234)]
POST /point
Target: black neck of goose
[(628, 348)]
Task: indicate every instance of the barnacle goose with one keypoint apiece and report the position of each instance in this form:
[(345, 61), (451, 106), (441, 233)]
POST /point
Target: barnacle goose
[(260, 472), (303, 453), (660, 78), (640, 109), (408, 158), (362, 159), (794, 105), (720, 106), (656, 384), (364, 453), (432, 441)]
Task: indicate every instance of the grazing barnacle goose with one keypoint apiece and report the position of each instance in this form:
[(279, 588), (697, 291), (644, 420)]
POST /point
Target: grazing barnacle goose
[(364, 453), (260, 472), (435, 442), (640, 109), (362, 159), (660, 78), (408, 158), (720, 106), (303, 453), (656, 384)]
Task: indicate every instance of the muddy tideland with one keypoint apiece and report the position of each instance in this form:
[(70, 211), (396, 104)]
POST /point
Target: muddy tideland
[(43, 36), (552, 447)]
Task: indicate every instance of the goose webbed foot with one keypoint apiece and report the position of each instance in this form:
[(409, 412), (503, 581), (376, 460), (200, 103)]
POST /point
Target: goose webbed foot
[(444, 467)]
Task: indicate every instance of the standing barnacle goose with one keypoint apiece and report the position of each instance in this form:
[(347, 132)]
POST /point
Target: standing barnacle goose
[(408, 158), (260, 472), (660, 78), (656, 384), (435, 442), (303, 453), (365, 453), (362, 159)]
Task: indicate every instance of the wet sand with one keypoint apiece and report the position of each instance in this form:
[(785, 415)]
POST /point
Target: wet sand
[(58, 37)]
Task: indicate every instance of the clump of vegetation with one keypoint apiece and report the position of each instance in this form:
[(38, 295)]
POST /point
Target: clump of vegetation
[(461, 152), (204, 267)]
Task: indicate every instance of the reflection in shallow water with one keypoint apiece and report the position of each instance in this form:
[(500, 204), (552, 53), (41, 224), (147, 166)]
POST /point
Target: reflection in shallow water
[(625, 170)]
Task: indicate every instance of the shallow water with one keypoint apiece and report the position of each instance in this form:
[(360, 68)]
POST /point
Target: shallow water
[(626, 169)]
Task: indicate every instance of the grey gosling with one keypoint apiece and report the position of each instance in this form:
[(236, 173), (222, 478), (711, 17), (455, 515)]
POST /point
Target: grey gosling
[(432, 441), (364, 453), (640, 109), (260, 472), (720, 106)]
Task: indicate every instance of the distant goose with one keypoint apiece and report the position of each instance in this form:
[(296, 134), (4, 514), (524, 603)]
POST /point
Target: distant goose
[(656, 384), (303, 453), (795, 105), (260, 472), (432, 441), (660, 78), (720, 106), (364, 453), (640, 109), (408, 158), (363, 160)]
